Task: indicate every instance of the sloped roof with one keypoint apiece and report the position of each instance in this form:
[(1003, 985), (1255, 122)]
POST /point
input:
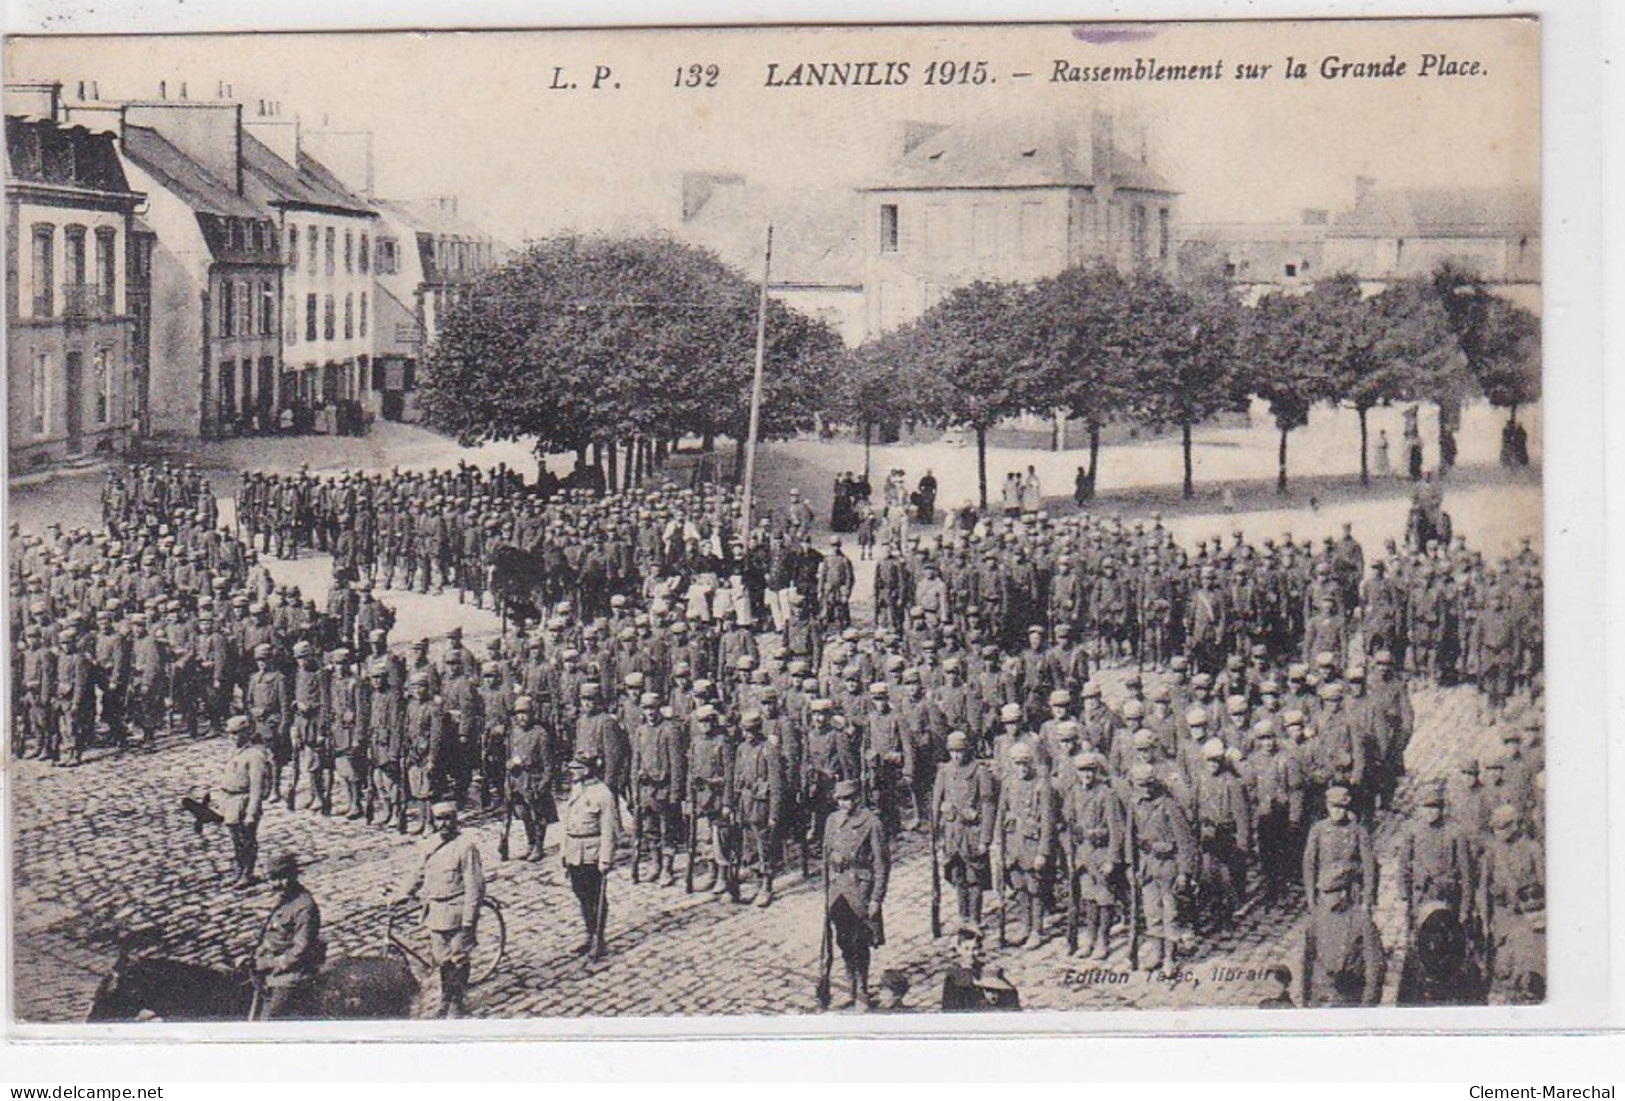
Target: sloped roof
[(1441, 212), (1016, 155), (270, 179), (42, 152), (195, 185), (814, 233), (429, 216)]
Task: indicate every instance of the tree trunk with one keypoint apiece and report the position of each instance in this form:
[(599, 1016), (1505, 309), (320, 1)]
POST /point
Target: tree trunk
[(581, 456), (612, 467), (981, 462), (1091, 479), (1512, 413), (1185, 445), (1365, 469), (1280, 464), (739, 463), (708, 443), (868, 442)]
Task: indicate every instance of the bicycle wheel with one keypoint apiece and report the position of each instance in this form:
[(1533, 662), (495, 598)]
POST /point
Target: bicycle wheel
[(490, 942)]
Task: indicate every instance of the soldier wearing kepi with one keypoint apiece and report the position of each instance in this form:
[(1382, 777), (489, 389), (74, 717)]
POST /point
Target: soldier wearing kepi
[(1026, 833), (1164, 855), (588, 849), (758, 799), (530, 776), (964, 816), (859, 865), (290, 949), (450, 883), (1096, 835), (241, 799)]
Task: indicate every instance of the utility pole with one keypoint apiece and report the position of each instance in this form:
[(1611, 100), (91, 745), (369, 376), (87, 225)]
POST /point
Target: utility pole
[(756, 389)]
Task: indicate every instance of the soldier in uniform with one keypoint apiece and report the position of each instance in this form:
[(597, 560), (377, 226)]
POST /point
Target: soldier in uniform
[(859, 867), (531, 772), (246, 785), (290, 949), (1163, 851), (268, 707), (1343, 961), (1339, 855), (1224, 823), (1096, 838), (964, 815), (1511, 911), (450, 884), (347, 734), (709, 762), (1274, 782), (1026, 835), (658, 765), (759, 801), (588, 850)]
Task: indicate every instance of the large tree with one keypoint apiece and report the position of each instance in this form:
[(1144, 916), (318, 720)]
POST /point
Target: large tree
[(1285, 340), (1500, 339), (976, 361), (598, 340), (1183, 343), (1081, 321)]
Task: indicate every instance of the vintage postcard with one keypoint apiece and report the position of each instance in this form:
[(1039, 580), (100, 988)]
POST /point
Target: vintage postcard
[(723, 522)]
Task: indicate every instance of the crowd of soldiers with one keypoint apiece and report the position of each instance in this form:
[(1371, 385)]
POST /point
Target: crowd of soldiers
[(714, 679)]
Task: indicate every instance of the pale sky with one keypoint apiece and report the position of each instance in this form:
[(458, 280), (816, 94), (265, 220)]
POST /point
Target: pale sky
[(471, 114)]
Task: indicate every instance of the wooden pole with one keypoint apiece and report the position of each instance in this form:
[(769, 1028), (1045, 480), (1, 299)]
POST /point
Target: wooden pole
[(756, 389)]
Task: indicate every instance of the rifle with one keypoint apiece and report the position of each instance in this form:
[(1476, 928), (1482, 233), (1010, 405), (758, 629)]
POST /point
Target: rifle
[(693, 839), (401, 789), (637, 837), (805, 829), (326, 765), (936, 881), (1069, 862), (826, 950), (601, 916), (1003, 910), (1133, 870)]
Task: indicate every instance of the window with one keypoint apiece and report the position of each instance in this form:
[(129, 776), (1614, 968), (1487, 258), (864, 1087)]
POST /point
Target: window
[(290, 321), (107, 267), (44, 270), (231, 234), (329, 316), (245, 308), (1164, 233), (888, 227), (1137, 228), (293, 248), (362, 318), (386, 256), (39, 389), (349, 252), (267, 309), (1291, 270), (310, 317), (228, 309), (315, 246), (361, 254), (349, 316), (102, 378), (332, 240), (73, 240)]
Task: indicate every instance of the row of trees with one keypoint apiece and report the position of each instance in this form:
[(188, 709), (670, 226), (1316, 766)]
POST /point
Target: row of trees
[(625, 345), (1102, 347)]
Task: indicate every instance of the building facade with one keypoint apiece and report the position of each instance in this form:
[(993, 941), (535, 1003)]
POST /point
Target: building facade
[(964, 203), (69, 333)]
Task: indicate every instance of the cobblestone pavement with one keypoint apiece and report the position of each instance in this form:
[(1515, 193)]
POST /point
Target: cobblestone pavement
[(105, 849)]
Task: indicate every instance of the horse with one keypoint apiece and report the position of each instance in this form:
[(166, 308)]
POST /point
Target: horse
[(517, 581), (156, 988), (1440, 969)]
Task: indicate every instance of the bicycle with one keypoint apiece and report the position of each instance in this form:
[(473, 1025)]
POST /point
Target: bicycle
[(490, 941)]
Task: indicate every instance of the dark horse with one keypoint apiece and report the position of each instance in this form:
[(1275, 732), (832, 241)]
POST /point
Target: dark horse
[(1440, 970), (355, 988), (517, 582)]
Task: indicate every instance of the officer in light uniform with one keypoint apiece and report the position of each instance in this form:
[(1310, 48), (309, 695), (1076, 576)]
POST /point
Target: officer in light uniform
[(243, 790), (450, 884), (588, 848)]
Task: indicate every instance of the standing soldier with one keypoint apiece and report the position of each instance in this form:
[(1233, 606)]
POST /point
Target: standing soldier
[(309, 688), (1274, 781), (450, 883), (386, 726), (707, 772), (1026, 835), (1096, 838), (268, 706), (657, 775), (1163, 852), (1343, 961), (964, 815), (1511, 909), (347, 735), (759, 800), (588, 850), (859, 867), (821, 768), (1224, 820), (496, 711), (247, 783), (147, 703), (888, 757), (422, 748), (1339, 857), (531, 772)]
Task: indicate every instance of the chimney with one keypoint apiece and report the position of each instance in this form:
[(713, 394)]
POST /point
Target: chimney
[(37, 99), (95, 117), (699, 187), (345, 153), (208, 132)]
